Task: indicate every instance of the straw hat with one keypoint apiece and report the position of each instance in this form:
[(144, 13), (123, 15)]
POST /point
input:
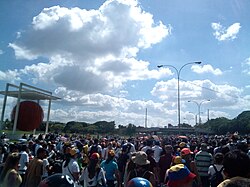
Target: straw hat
[(140, 158)]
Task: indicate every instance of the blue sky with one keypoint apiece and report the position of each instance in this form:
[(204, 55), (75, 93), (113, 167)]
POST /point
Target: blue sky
[(101, 57)]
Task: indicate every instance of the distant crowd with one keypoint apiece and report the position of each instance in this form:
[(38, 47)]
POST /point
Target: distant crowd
[(83, 161)]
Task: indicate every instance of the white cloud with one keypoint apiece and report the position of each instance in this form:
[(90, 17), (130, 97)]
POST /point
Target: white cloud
[(90, 50), (10, 76), (206, 69), (22, 52), (108, 108), (221, 33), (105, 107), (246, 66), (1, 52), (221, 96)]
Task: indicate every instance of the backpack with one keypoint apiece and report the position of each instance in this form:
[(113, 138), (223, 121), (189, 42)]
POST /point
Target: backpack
[(217, 177), (134, 173)]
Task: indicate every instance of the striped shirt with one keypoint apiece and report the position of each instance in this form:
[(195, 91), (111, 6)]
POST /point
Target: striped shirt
[(203, 160)]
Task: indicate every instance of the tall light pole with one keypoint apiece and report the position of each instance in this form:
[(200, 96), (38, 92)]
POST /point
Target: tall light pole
[(199, 107), (195, 117), (178, 71)]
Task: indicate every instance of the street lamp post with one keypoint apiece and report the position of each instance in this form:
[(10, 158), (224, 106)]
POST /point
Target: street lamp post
[(195, 117), (199, 108), (178, 85)]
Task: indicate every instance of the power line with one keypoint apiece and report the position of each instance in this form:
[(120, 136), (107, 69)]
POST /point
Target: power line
[(212, 90)]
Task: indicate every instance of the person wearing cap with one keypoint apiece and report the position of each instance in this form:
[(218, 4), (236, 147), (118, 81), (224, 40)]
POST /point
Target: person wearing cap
[(203, 159), (180, 176), (93, 175), (70, 166), (176, 160), (182, 145), (111, 169), (141, 168), (187, 156)]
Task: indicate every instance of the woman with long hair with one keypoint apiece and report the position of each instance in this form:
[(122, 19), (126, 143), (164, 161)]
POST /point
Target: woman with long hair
[(9, 176), (111, 169), (70, 166), (93, 174)]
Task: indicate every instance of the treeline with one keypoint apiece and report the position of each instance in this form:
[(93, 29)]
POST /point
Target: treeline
[(218, 126), (100, 127), (223, 125)]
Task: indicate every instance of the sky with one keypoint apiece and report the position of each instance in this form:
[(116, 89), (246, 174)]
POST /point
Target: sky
[(101, 57)]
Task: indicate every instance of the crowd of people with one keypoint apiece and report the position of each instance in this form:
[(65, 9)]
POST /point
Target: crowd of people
[(171, 161)]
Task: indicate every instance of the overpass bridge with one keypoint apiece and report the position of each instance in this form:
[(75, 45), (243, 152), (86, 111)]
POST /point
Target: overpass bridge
[(172, 130)]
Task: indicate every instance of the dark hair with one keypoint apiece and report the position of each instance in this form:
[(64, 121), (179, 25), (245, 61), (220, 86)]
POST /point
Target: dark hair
[(96, 141), (218, 158), (40, 150), (225, 149), (67, 159), (93, 167), (110, 157), (236, 163), (23, 147)]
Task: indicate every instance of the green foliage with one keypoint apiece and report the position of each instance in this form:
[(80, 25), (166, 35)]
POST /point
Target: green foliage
[(130, 130), (100, 127), (8, 124), (220, 125), (223, 125), (185, 125), (57, 127)]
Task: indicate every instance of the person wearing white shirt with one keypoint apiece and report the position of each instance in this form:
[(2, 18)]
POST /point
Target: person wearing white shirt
[(218, 159), (130, 146), (45, 168), (157, 151), (95, 148), (24, 160), (106, 150), (70, 166), (148, 146), (38, 145)]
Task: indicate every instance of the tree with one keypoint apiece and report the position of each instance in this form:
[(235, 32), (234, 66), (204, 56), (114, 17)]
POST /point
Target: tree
[(8, 124), (131, 129), (223, 125)]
